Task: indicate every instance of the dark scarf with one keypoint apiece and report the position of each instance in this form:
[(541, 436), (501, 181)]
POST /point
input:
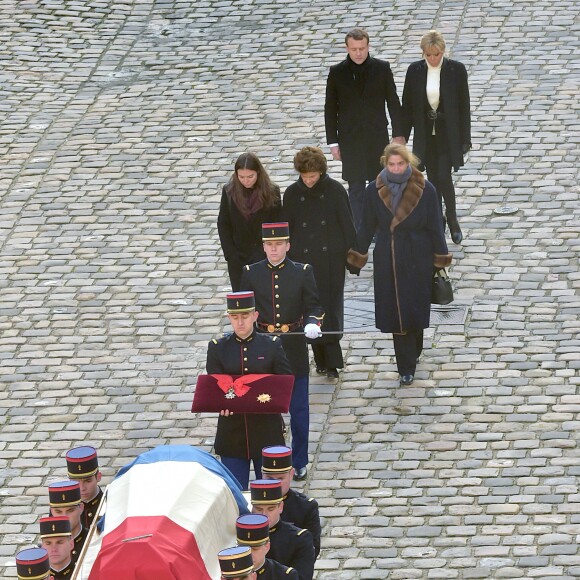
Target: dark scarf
[(359, 72), (396, 182), (249, 203)]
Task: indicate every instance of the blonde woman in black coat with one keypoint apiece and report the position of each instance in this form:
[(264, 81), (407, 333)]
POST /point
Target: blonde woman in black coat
[(248, 200), (436, 106)]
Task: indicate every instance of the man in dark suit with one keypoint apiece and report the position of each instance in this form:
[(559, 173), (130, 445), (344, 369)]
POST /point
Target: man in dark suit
[(287, 302), (355, 118)]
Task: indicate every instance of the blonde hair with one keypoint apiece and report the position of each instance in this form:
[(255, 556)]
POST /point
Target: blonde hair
[(402, 151), (433, 39)]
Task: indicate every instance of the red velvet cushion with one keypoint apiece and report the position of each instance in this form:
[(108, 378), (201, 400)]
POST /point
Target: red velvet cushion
[(243, 394)]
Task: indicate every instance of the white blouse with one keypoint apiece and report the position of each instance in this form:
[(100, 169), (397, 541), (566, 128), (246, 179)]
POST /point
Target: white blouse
[(433, 86)]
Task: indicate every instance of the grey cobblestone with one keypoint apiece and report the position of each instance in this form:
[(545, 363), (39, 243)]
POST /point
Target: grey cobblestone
[(120, 122)]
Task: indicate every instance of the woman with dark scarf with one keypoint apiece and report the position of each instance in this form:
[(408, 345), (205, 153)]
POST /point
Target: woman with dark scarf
[(403, 209), (248, 200), (321, 233), (436, 106)]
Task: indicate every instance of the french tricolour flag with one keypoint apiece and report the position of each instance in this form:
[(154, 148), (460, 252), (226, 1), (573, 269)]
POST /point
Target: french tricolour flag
[(168, 514)]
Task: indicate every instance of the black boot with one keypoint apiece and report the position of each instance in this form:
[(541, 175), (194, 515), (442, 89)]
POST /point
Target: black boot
[(456, 234)]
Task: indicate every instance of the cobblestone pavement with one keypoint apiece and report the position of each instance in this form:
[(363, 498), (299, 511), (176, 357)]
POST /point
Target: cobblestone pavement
[(121, 120)]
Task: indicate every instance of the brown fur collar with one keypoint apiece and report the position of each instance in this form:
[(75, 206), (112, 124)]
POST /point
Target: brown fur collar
[(409, 200)]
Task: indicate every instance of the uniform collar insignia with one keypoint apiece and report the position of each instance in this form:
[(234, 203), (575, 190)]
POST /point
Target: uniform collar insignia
[(278, 266)]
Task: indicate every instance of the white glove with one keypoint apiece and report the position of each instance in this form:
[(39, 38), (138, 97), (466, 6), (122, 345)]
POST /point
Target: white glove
[(312, 331)]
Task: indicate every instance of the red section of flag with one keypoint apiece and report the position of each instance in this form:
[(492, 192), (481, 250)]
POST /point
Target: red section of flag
[(146, 547)]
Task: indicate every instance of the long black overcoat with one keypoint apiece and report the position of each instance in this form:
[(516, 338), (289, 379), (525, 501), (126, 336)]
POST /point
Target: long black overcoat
[(241, 238), (321, 233), (245, 435), (357, 120), (408, 245), (454, 109)]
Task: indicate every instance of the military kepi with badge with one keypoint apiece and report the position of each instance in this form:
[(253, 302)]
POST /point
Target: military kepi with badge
[(253, 530), (32, 564), (82, 462), (240, 302), (236, 562), (64, 493), (52, 527), (275, 231)]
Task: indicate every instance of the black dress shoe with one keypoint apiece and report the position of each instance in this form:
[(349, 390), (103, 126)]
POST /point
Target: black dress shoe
[(320, 371), (456, 234), (301, 474), (406, 379), (332, 374)]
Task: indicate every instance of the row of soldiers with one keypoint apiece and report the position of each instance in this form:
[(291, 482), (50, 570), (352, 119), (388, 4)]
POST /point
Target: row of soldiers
[(271, 318), (281, 537), (284, 525), (73, 504)]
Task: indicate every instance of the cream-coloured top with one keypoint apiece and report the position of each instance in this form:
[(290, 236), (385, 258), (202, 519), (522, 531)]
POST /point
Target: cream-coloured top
[(433, 86)]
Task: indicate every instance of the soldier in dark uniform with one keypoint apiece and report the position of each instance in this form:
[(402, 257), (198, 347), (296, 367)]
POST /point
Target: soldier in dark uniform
[(253, 530), (32, 564), (83, 466), (56, 539), (65, 500), (300, 510), (236, 563), (289, 545), (240, 437), (287, 301)]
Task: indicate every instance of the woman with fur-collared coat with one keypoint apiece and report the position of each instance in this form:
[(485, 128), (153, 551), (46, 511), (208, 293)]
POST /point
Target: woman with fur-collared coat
[(436, 107), (403, 209)]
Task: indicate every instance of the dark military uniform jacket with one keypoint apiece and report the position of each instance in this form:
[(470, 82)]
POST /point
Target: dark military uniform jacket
[(286, 298), (90, 510), (241, 435), (65, 573), (78, 545), (293, 547), (272, 570), (302, 511)]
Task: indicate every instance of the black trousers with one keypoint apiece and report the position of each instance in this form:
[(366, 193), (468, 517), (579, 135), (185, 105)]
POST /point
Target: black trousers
[(356, 194), (328, 355), (438, 165), (408, 348)]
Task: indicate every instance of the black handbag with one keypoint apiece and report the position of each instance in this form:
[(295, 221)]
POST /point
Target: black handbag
[(441, 290)]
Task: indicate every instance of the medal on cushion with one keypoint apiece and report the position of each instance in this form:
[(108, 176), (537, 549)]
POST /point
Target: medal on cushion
[(231, 394)]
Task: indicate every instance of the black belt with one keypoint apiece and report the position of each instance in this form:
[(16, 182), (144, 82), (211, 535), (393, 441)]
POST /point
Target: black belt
[(278, 327)]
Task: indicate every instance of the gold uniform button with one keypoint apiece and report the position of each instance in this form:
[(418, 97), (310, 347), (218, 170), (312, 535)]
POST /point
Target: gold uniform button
[(277, 324), (245, 358), (277, 296), (276, 276), (245, 369), (277, 315), (276, 286), (245, 348), (277, 306)]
